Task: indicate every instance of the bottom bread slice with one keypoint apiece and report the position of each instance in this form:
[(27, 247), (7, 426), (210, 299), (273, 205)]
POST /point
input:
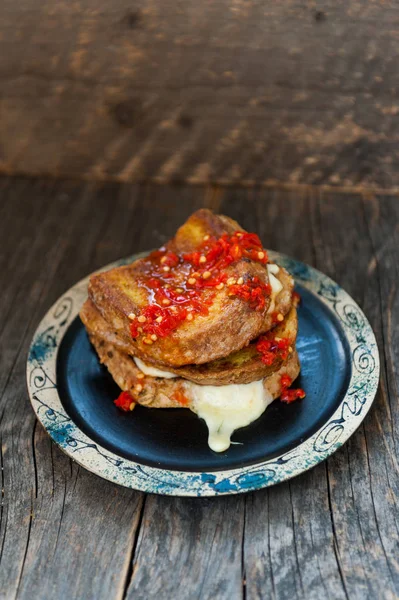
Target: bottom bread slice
[(159, 392)]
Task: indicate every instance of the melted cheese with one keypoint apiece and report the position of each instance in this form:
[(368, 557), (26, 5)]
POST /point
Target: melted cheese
[(227, 408), (275, 283), (152, 371), (224, 408)]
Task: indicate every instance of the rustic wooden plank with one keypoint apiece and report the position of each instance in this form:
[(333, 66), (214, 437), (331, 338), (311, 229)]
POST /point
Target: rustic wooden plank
[(382, 217), (52, 529), (254, 92), (189, 548), (289, 546), (366, 467)]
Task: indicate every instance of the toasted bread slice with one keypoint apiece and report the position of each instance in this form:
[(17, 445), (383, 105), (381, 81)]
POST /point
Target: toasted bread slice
[(96, 324), (242, 366), (118, 293), (156, 392)]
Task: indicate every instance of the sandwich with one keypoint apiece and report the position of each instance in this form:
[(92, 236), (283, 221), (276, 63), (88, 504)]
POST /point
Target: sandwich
[(206, 322)]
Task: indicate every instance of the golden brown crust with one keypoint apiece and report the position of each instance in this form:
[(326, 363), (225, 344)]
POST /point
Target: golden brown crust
[(156, 392), (203, 222), (95, 323), (242, 366), (116, 295)]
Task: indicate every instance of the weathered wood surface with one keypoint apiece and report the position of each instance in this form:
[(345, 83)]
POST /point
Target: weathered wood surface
[(330, 533), (249, 91)]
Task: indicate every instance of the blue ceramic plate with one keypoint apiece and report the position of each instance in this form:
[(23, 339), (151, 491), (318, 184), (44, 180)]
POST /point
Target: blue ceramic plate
[(165, 450)]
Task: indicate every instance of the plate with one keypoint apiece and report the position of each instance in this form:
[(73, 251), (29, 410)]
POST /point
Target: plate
[(165, 451)]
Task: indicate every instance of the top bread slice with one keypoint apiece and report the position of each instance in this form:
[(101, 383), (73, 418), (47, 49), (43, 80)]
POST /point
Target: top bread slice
[(230, 324)]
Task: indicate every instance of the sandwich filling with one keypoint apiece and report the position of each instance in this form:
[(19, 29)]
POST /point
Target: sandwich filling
[(152, 371), (224, 408)]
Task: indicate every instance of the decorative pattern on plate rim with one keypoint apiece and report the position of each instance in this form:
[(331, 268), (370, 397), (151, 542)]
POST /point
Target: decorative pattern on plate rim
[(42, 387)]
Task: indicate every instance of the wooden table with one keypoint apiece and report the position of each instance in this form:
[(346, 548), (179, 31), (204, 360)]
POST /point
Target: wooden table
[(247, 91), (65, 533)]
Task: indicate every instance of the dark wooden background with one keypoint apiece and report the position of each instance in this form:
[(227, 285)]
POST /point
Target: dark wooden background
[(226, 91), (65, 533)]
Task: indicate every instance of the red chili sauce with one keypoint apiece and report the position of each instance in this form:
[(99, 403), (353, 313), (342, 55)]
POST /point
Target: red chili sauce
[(183, 286)]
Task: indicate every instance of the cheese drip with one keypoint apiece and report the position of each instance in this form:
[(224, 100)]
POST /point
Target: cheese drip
[(152, 371), (275, 283), (226, 408)]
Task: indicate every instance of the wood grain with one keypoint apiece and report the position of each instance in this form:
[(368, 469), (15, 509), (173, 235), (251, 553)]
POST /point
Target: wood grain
[(249, 91), (63, 532), (330, 533), (189, 549)]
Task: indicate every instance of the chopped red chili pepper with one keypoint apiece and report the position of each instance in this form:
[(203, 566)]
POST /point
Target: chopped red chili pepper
[(179, 294), (271, 348), (253, 291), (169, 259), (220, 253), (288, 395), (124, 401)]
